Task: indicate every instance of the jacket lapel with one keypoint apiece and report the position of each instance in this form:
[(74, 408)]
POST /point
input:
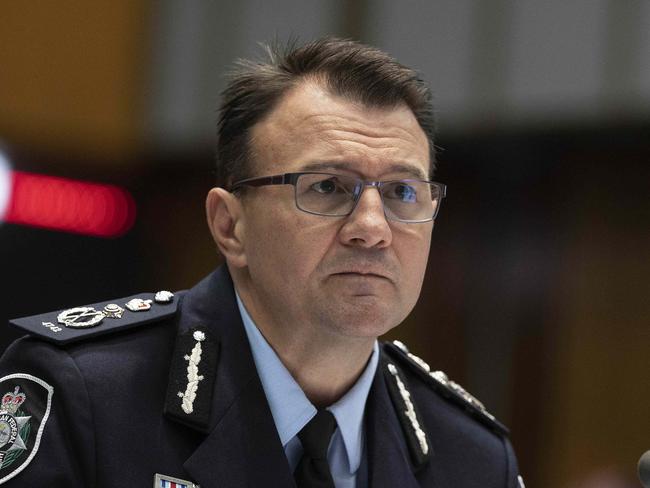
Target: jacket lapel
[(389, 464), (242, 447)]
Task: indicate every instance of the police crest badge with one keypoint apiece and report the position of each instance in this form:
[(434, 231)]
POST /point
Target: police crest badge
[(24, 410)]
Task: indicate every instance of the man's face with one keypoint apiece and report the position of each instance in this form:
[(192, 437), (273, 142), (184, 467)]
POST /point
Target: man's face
[(354, 276)]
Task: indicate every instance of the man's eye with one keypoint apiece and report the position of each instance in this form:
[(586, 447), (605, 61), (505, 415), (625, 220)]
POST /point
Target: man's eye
[(402, 192), (325, 186)]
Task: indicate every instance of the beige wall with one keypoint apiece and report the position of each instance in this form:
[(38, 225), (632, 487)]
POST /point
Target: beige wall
[(597, 411), (71, 75)]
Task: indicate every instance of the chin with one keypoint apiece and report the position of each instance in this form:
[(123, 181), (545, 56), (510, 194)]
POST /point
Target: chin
[(361, 322), (369, 315), (369, 333)]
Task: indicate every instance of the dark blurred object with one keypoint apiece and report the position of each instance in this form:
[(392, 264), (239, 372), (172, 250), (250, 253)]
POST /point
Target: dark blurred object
[(644, 469)]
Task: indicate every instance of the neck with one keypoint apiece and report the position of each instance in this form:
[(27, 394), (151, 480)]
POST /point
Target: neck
[(325, 373), (325, 364)]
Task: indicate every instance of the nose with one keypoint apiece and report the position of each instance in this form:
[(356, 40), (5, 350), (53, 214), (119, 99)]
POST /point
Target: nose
[(367, 226)]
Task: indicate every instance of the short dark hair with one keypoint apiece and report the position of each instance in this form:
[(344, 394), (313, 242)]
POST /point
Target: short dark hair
[(346, 68)]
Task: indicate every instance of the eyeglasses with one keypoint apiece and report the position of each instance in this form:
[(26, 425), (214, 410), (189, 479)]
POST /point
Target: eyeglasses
[(332, 195)]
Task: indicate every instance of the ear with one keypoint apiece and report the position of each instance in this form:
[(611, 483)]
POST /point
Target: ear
[(224, 214)]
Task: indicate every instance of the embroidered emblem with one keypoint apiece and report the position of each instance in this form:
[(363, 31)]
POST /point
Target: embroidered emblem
[(410, 410), (163, 296), (138, 305), (442, 378), (193, 376), (164, 481), (521, 482), (113, 311), (24, 410), (416, 359), (469, 398), (80, 317), (14, 427), (402, 346)]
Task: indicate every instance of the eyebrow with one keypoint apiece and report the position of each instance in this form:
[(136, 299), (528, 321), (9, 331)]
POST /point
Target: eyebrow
[(345, 166)]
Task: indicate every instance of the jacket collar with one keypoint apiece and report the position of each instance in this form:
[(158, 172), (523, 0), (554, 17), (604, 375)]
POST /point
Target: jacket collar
[(242, 446), (389, 463)]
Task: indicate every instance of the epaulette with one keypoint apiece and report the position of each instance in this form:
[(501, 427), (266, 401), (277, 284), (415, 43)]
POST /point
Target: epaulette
[(80, 323), (447, 388)]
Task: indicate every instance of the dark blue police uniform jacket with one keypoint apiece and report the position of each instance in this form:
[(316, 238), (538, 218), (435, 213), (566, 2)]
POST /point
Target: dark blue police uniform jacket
[(114, 415)]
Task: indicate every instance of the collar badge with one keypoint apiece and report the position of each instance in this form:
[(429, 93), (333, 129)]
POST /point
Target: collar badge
[(113, 311), (163, 296), (138, 305), (80, 317)]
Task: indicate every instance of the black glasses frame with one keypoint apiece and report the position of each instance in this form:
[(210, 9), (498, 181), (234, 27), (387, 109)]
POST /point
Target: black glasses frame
[(292, 179)]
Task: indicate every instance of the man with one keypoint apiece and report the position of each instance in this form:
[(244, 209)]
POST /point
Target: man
[(268, 372)]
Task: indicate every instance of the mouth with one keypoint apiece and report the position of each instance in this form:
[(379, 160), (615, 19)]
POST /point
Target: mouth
[(362, 275), (362, 284)]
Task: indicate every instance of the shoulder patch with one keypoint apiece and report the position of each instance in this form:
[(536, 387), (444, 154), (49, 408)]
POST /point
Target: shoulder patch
[(79, 323), (447, 388), (24, 410)]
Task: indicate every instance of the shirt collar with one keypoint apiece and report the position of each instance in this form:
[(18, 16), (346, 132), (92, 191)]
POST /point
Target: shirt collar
[(349, 410), (290, 407)]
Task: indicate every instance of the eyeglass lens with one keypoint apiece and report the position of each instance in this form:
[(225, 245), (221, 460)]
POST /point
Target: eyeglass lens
[(336, 195)]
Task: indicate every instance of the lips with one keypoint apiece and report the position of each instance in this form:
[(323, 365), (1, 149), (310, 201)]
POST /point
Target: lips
[(363, 274), (369, 265)]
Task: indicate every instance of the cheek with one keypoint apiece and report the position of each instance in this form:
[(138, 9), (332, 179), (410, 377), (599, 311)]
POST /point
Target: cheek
[(267, 246), (414, 254), (286, 247), (305, 245)]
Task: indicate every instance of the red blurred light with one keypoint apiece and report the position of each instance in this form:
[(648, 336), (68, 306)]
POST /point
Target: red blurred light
[(69, 205)]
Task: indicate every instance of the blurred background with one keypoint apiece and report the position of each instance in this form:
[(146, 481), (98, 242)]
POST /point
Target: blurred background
[(537, 289)]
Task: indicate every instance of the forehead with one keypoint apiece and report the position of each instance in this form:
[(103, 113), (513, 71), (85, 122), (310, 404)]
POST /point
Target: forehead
[(312, 127)]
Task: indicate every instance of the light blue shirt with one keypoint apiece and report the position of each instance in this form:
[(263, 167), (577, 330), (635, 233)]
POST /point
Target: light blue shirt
[(291, 410)]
